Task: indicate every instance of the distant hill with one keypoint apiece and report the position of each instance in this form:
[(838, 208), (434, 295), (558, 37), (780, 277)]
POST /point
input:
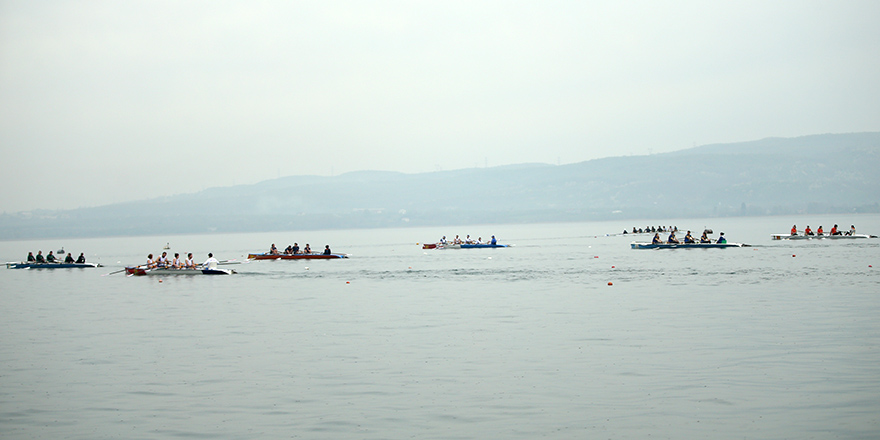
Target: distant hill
[(810, 174)]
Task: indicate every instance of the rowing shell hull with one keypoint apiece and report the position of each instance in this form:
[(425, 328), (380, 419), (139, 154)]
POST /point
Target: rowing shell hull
[(295, 256), (820, 237), (482, 246), (635, 245), (50, 265), (140, 271)]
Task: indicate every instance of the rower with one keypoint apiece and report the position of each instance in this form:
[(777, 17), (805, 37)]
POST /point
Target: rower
[(834, 231), (793, 230), (189, 263), (307, 249), (820, 231), (852, 231), (721, 239), (443, 240), (672, 238), (273, 250), (211, 262), (493, 242), (808, 231), (50, 258), (163, 260), (40, 258), (327, 250), (175, 263), (68, 259), (295, 249), (657, 239), (688, 238), (30, 258), (704, 238), (81, 259), (150, 263)]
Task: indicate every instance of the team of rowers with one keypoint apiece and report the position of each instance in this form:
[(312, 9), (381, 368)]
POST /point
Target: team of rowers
[(652, 229), (51, 258), (820, 231), (466, 240), (295, 250), (177, 263), (688, 239)]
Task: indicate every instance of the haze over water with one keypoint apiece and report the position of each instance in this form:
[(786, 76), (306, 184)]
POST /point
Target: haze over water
[(779, 340)]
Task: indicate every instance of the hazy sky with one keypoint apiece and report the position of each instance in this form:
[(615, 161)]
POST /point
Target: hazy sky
[(106, 101)]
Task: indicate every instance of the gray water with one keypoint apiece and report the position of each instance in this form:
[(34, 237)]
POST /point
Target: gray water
[(778, 340)]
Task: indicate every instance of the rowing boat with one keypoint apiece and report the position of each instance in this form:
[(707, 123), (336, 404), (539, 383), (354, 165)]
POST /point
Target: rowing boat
[(140, 271), (636, 245), (820, 237), (464, 246), (295, 256), (50, 265)]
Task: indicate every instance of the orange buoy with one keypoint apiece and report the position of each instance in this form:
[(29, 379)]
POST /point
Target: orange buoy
[(609, 283), (612, 267)]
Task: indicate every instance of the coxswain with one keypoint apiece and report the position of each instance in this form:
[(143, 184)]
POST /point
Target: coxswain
[(704, 238), (50, 258), (657, 239), (672, 238), (307, 249), (175, 263), (834, 231), (493, 242), (327, 250), (794, 230), (81, 259), (211, 262), (820, 231), (721, 239), (808, 231), (40, 258), (30, 258), (68, 259), (688, 238), (189, 263)]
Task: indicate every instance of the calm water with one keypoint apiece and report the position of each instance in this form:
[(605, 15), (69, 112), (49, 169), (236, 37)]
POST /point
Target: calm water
[(774, 341)]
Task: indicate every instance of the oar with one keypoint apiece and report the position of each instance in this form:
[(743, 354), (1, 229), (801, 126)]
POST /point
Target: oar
[(111, 273)]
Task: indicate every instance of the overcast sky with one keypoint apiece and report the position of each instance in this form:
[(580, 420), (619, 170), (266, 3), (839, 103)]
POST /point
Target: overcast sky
[(107, 101)]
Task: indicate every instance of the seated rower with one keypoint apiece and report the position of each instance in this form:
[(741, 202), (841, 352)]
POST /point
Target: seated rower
[(672, 239), (81, 259), (273, 250), (307, 249), (162, 261), (40, 259), (69, 259), (30, 258), (808, 231), (150, 263), (493, 241), (211, 262), (852, 231), (657, 239), (688, 238), (327, 250), (704, 238), (721, 239), (189, 263), (51, 258), (820, 231), (175, 262), (443, 240), (295, 249), (793, 230), (834, 231)]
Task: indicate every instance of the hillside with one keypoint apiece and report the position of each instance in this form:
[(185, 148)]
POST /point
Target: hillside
[(810, 174)]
